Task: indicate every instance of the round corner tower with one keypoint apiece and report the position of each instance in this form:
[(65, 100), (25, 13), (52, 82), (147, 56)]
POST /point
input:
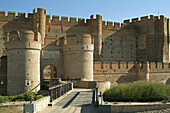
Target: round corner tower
[(23, 62), (78, 57)]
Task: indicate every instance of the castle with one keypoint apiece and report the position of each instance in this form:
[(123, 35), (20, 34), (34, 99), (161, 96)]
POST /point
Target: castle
[(86, 50)]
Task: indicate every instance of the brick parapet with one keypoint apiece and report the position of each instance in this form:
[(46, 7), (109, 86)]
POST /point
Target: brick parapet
[(125, 67)]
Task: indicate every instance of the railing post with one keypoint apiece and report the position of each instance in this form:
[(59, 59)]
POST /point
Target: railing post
[(51, 94), (97, 97), (55, 92), (66, 88), (60, 90)]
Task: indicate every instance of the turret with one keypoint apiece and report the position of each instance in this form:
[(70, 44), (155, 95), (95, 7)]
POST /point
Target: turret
[(23, 62), (41, 17), (96, 32)]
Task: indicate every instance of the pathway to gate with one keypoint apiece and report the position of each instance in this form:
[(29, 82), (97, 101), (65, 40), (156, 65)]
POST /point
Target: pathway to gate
[(78, 101)]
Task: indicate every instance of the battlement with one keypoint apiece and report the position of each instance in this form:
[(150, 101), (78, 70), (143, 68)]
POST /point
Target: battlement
[(109, 25), (12, 15), (125, 67), (146, 18), (29, 40), (74, 39), (67, 20)]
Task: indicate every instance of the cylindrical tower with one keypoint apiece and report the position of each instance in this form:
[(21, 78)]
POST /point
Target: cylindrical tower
[(41, 16), (23, 62), (78, 58), (96, 32)]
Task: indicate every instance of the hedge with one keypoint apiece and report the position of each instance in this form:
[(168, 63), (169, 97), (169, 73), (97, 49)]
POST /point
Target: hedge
[(137, 92)]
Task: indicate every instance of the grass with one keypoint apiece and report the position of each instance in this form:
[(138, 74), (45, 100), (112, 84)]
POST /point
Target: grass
[(137, 92)]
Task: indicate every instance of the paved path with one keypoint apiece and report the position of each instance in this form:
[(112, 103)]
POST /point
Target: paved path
[(78, 101)]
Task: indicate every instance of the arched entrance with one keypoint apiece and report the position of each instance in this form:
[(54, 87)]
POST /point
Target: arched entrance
[(49, 72), (49, 76)]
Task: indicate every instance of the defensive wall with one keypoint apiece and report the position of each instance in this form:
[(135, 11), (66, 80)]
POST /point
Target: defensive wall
[(123, 72), (135, 38)]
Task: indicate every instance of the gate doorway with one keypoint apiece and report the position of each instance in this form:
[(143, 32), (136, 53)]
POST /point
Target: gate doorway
[(49, 72), (49, 76)]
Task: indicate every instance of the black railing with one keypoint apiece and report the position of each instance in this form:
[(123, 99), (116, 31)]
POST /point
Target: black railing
[(59, 90), (51, 82)]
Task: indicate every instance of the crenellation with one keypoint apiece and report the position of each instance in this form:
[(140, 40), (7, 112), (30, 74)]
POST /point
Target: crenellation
[(11, 14), (122, 65), (2, 13), (88, 21), (92, 17), (162, 18), (47, 19), (145, 18), (135, 20), (127, 21), (152, 17), (156, 17), (81, 20), (159, 65), (109, 25), (30, 15), (104, 24), (64, 20), (55, 18), (116, 25), (106, 66), (165, 66), (73, 20), (21, 15)]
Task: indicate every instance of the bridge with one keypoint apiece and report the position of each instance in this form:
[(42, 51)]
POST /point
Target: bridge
[(78, 101)]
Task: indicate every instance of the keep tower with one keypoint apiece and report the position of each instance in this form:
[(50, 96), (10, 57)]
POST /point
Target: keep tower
[(23, 62)]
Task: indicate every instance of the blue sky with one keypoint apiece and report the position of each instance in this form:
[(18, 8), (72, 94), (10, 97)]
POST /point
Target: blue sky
[(111, 10)]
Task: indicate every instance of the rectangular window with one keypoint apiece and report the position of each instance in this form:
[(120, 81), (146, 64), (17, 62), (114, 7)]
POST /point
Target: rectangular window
[(27, 82)]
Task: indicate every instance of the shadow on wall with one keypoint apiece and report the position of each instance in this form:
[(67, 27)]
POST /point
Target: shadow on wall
[(18, 24), (131, 76)]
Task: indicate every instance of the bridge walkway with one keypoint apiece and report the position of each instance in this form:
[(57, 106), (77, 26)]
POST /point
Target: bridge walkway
[(78, 101)]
